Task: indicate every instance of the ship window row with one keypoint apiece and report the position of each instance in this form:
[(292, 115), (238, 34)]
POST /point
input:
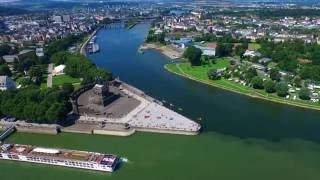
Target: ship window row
[(69, 163), (11, 156), (74, 163), (44, 160)]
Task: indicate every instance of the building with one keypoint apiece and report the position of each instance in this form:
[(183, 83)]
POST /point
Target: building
[(58, 70), (66, 18), (10, 58), (207, 51), (6, 83), (57, 19), (25, 53), (251, 54), (39, 52)]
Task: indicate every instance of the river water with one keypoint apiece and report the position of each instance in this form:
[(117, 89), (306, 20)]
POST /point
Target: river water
[(243, 138)]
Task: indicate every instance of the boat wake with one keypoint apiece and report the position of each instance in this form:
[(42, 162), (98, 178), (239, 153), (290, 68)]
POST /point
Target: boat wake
[(124, 159)]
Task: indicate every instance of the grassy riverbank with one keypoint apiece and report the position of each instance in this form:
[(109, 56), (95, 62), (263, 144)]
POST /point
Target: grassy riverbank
[(199, 74)]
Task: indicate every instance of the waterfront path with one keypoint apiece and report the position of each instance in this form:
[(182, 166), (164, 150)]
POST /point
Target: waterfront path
[(49, 79)]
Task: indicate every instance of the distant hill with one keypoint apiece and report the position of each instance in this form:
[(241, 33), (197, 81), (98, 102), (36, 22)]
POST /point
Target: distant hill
[(12, 11)]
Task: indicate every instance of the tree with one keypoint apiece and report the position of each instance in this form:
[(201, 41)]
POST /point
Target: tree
[(55, 113), (282, 89), (274, 74), (4, 50), (5, 70), (67, 88), (35, 73), (304, 94), (59, 57), (270, 86), (193, 54), (297, 81), (250, 73), (77, 66), (257, 82), (214, 74), (224, 49), (35, 105)]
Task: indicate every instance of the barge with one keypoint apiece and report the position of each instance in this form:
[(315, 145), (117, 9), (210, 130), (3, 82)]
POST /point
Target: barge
[(59, 157)]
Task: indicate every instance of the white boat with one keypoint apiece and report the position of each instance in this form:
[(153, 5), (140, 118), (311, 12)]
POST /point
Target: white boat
[(59, 157)]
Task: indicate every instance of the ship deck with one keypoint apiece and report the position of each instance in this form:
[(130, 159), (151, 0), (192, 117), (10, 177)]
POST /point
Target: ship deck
[(63, 154)]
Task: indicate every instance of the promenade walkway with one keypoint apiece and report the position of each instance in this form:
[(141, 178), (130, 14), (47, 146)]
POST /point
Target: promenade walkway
[(49, 79)]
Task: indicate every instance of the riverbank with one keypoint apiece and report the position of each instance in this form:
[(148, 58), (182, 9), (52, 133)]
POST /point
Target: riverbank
[(240, 89), (84, 45), (166, 50)]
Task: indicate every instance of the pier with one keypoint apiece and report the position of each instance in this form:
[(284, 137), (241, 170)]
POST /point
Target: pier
[(7, 132)]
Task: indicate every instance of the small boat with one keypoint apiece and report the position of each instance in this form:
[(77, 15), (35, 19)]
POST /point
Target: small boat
[(180, 109), (140, 51), (199, 118), (171, 105), (164, 101)]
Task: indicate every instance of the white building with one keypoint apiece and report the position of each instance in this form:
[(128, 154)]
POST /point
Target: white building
[(207, 51), (251, 54), (6, 83), (58, 70), (66, 18), (57, 19), (39, 52)]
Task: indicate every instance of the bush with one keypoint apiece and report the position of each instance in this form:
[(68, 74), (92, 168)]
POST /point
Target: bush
[(193, 55), (257, 82), (213, 74), (282, 89), (270, 86), (304, 94)]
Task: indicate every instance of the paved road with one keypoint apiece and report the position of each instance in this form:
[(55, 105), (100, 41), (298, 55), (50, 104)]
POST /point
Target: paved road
[(49, 79)]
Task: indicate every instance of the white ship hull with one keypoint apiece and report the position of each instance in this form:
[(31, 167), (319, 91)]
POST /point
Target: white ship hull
[(59, 162)]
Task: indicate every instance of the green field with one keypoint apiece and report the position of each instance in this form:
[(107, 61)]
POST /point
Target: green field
[(199, 73), (254, 46), (61, 79)]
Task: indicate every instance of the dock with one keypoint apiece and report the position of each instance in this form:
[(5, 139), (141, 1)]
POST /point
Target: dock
[(7, 133)]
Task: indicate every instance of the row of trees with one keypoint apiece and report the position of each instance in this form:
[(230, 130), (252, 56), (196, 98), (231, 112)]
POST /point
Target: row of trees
[(157, 38), (62, 44), (35, 105), (78, 66)]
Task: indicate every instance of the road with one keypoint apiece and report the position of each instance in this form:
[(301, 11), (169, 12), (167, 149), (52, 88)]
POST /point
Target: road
[(49, 79)]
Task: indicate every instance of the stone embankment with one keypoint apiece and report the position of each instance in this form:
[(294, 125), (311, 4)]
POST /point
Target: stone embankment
[(22, 126)]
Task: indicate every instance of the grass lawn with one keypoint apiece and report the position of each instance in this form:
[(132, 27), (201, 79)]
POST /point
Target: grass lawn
[(254, 46), (61, 79), (199, 73)]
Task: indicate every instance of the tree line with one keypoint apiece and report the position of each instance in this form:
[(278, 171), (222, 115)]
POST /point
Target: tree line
[(35, 105)]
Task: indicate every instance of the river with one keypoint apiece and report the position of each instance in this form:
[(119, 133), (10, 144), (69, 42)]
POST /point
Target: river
[(243, 138)]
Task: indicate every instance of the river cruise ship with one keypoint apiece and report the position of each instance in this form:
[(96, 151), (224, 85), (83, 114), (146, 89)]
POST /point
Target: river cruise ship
[(59, 157)]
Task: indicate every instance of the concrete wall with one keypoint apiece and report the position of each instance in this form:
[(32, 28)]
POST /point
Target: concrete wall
[(113, 133), (167, 131)]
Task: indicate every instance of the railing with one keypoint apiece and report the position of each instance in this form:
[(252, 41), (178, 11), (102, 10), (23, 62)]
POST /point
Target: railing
[(7, 132)]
